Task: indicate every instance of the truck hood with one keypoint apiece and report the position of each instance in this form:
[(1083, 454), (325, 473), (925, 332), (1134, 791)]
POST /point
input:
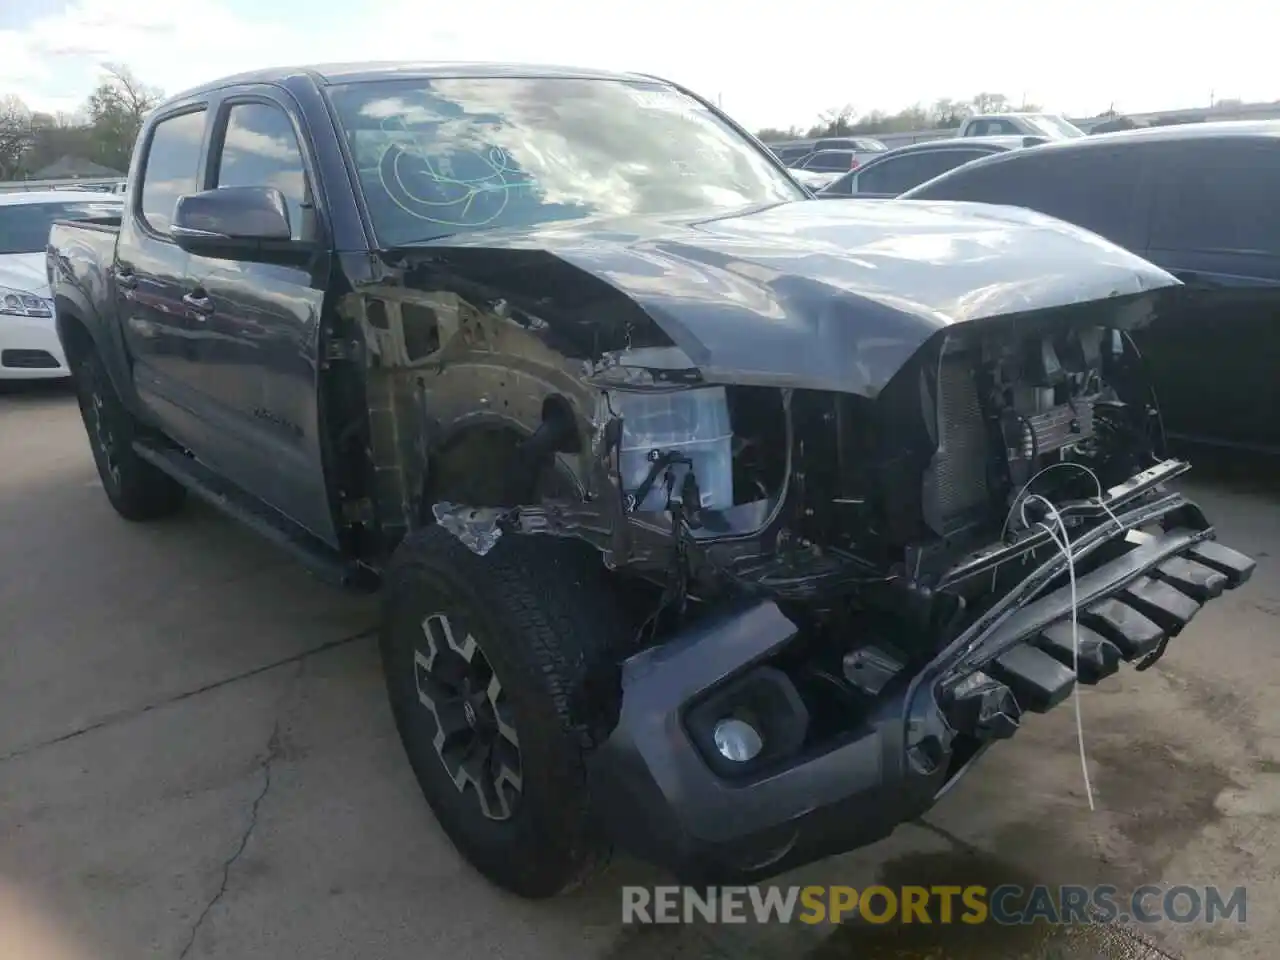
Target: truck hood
[(24, 272), (817, 295)]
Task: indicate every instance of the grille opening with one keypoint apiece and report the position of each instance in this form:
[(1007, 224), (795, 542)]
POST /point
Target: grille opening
[(28, 360)]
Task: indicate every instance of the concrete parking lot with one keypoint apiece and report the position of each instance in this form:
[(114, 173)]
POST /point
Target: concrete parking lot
[(196, 760)]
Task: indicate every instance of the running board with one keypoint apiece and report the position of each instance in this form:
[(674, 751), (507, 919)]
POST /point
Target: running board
[(318, 557)]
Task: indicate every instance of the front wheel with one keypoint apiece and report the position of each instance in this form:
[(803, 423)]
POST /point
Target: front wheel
[(502, 675)]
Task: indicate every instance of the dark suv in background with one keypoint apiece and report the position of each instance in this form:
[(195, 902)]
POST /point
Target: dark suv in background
[(1199, 201)]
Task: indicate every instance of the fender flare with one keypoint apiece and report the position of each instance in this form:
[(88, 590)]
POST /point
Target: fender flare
[(72, 307)]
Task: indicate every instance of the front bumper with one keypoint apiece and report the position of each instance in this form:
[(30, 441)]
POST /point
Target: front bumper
[(29, 349), (661, 801)]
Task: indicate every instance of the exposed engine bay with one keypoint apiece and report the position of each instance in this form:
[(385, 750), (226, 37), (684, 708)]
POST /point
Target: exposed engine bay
[(817, 496), (885, 525)]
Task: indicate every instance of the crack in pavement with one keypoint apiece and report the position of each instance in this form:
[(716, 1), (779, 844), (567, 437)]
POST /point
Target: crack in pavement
[(129, 714), (273, 753)]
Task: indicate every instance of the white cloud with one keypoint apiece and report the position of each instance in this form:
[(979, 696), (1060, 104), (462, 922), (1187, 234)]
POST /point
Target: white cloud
[(772, 64), (56, 58)]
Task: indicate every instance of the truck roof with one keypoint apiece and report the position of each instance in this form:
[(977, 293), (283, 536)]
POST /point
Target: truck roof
[(364, 71)]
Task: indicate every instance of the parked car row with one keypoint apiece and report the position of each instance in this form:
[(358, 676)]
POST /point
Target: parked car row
[(897, 171), (792, 154), (822, 161), (1046, 126)]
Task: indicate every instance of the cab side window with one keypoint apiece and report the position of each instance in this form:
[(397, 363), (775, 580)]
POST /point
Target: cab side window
[(988, 128), (260, 149), (172, 162)]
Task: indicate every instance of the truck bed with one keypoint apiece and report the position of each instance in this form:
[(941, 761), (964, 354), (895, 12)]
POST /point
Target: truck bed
[(79, 259), (101, 224), (80, 256)]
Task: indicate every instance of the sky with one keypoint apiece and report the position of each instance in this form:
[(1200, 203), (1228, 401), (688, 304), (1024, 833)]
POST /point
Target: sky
[(772, 64)]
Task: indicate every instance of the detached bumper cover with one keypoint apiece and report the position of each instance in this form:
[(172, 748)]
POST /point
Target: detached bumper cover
[(660, 801)]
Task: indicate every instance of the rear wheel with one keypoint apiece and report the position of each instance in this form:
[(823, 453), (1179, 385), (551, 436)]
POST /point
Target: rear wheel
[(502, 675), (137, 490)]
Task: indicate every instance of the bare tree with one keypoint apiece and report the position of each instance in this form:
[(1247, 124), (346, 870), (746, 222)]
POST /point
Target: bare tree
[(126, 92), (116, 109), (990, 103), (834, 123), (948, 113), (15, 137)]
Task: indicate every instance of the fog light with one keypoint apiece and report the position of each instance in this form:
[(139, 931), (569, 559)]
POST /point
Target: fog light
[(737, 740)]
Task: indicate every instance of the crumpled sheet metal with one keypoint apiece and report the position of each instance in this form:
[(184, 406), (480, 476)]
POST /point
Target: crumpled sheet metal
[(476, 527)]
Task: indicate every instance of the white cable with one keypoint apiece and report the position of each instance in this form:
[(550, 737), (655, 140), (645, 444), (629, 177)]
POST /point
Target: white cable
[(1019, 502), (1056, 466), (1064, 545)]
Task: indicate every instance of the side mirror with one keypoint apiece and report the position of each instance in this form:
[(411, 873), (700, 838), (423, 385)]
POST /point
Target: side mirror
[(234, 223)]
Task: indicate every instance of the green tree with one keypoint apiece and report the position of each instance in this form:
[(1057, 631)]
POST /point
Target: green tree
[(116, 109)]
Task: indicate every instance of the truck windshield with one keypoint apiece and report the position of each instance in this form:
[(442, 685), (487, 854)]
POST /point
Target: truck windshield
[(443, 156), (24, 227)]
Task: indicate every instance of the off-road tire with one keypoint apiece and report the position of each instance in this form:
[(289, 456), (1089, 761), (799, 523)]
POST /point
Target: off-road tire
[(137, 490), (543, 616)]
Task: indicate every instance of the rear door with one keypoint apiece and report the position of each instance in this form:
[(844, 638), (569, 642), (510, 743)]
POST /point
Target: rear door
[(1213, 226), (150, 271), (260, 322)]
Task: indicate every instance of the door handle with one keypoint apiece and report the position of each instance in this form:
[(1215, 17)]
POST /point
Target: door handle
[(198, 303), (126, 279)]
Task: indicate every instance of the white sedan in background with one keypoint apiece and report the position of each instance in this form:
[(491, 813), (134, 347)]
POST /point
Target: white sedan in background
[(29, 348)]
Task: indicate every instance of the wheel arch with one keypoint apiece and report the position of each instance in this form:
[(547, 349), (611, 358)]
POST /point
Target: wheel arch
[(482, 461), (472, 462), (73, 333), (81, 331)]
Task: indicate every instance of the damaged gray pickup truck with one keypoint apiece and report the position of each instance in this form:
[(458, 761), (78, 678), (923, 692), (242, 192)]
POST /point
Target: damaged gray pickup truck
[(711, 523)]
